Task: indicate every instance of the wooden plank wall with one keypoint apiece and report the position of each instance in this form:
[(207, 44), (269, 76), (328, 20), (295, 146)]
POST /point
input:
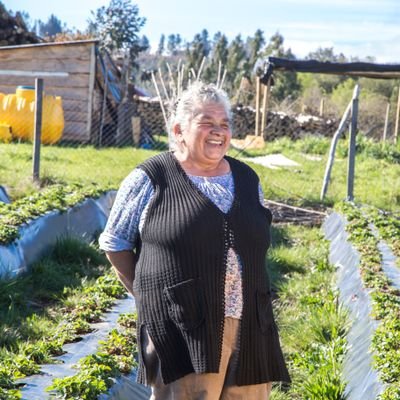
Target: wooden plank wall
[(73, 59)]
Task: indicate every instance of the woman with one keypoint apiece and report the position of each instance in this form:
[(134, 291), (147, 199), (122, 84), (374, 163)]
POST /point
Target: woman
[(200, 233)]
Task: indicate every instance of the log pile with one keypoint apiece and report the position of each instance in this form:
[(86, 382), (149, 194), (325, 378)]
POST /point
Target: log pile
[(13, 30), (280, 124), (149, 111)]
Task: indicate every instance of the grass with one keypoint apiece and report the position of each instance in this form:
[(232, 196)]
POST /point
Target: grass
[(311, 322), (377, 173), (83, 164)]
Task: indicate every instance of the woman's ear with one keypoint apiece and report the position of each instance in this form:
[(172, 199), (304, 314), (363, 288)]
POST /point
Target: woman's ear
[(176, 129)]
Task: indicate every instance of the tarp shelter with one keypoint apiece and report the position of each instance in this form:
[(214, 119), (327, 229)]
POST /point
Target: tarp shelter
[(359, 69)]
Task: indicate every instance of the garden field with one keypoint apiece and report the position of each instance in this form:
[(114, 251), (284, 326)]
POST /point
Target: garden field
[(73, 288)]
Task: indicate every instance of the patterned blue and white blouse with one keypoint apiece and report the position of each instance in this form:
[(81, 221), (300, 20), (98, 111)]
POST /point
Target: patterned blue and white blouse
[(128, 216)]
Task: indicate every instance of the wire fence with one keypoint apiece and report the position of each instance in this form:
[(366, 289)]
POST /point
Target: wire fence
[(102, 116)]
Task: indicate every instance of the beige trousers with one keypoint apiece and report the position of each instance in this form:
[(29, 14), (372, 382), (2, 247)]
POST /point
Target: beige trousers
[(210, 386)]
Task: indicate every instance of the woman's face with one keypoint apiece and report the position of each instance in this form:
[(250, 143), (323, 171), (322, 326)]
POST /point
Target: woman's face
[(207, 136)]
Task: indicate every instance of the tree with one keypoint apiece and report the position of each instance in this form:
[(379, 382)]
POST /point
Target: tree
[(196, 51), (145, 43), (219, 55), (285, 83), (206, 42), (234, 63), (161, 45), (51, 27), (117, 26), (255, 45), (327, 83), (326, 54), (173, 44)]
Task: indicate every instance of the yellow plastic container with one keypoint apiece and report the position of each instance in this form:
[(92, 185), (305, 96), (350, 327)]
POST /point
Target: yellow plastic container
[(17, 110)]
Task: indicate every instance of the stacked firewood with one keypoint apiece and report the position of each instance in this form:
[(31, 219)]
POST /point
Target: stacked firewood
[(13, 30), (280, 124), (149, 111)]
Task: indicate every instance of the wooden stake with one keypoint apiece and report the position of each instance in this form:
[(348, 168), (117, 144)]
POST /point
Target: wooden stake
[(219, 72), (163, 84), (257, 126), (161, 101), (200, 69), (222, 79), (172, 84), (386, 122), (181, 80), (264, 115), (321, 107)]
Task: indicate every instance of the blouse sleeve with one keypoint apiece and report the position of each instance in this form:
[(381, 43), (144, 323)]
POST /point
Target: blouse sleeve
[(122, 228)]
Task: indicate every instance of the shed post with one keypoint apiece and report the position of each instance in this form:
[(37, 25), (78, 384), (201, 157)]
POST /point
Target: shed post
[(92, 77)]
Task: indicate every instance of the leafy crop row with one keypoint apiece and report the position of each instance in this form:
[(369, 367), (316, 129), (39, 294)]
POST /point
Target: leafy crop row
[(97, 371), (56, 197), (385, 301)]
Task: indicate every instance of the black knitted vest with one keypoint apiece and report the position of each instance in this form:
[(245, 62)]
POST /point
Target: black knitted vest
[(180, 276)]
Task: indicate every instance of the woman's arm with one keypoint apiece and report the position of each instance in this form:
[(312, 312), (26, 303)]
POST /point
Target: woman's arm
[(124, 264)]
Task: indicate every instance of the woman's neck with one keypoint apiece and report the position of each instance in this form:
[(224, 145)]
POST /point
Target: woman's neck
[(191, 167)]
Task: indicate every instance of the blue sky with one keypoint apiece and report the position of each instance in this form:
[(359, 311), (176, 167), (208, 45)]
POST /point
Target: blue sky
[(354, 27)]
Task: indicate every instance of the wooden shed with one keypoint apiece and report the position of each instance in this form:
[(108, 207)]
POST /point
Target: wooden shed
[(68, 70)]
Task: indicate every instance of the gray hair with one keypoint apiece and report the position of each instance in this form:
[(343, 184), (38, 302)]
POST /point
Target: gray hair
[(195, 96)]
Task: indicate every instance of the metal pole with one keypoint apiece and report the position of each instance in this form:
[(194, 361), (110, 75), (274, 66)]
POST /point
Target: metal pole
[(385, 129), (331, 158), (37, 127), (396, 129), (352, 144)]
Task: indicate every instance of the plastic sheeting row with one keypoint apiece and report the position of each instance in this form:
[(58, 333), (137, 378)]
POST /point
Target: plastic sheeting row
[(82, 221), (362, 380)]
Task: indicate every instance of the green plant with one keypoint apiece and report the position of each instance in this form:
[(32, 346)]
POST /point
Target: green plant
[(96, 371)]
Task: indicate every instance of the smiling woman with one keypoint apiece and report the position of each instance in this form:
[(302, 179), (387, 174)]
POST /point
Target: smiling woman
[(188, 236)]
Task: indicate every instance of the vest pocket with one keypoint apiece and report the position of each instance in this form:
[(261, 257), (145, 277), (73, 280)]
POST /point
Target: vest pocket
[(185, 302), (264, 311)]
